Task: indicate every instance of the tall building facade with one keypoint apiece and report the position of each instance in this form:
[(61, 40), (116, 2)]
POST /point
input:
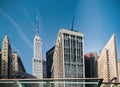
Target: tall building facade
[(44, 69), (49, 61), (91, 65), (119, 70), (37, 59), (16, 65), (68, 61), (10, 63), (107, 61), (6, 58)]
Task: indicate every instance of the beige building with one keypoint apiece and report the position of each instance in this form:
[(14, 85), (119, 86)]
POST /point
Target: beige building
[(5, 58), (107, 61), (10, 63), (119, 70), (16, 65)]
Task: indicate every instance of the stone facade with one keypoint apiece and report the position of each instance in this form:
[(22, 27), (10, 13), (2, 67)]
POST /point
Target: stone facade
[(107, 61)]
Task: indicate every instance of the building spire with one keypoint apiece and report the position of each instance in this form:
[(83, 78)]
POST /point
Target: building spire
[(37, 31), (72, 23)]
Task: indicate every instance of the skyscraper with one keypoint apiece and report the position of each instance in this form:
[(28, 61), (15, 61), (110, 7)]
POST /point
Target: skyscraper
[(91, 65), (16, 65), (68, 61), (107, 61), (6, 58), (44, 69), (10, 63), (49, 61), (118, 70), (37, 58)]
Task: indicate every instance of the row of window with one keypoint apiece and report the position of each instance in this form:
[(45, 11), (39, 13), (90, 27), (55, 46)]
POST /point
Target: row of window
[(74, 74), (67, 36), (35, 60), (73, 42), (72, 50)]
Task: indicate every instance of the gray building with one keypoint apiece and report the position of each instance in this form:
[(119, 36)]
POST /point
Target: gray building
[(49, 61), (44, 69)]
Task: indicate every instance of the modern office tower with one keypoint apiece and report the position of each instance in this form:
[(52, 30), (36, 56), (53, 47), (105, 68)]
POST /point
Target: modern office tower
[(91, 65), (6, 58), (68, 61), (16, 65), (49, 61), (37, 59), (107, 61)]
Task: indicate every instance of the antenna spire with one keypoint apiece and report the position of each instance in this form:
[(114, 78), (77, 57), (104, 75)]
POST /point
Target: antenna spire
[(37, 26), (72, 23)]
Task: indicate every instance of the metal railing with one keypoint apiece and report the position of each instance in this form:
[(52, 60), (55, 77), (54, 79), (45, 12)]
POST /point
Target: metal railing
[(61, 82)]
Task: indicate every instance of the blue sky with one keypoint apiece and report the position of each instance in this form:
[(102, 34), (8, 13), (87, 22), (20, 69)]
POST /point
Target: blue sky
[(97, 19)]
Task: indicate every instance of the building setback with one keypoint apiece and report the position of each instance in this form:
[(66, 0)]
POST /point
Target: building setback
[(68, 61), (107, 61), (37, 62), (91, 65)]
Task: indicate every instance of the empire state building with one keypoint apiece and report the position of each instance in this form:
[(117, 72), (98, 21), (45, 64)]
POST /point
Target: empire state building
[(37, 66)]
